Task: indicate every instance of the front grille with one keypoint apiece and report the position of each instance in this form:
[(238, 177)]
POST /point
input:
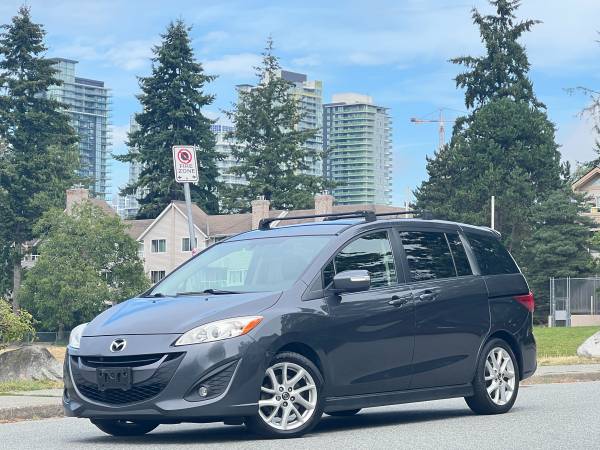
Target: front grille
[(138, 392), (124, 361)]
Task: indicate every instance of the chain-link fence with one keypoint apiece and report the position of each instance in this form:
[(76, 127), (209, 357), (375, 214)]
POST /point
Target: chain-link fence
[(574, 301)]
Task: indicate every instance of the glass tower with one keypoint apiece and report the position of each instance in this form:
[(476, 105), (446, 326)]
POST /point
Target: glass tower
[(309, 94), (358, 144), (88, 103)]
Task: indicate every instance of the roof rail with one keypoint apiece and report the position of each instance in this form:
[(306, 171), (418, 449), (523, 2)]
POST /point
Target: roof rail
[(369, 216)]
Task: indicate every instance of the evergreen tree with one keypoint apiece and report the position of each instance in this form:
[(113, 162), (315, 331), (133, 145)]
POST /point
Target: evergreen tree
[(87, 260), (502, 71), (505, 147), (558, 245), (507, 150), (38, 158), (172, 99), (269, 146)]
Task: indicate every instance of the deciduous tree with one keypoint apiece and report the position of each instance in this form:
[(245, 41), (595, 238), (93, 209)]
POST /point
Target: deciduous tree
[(87, 261)]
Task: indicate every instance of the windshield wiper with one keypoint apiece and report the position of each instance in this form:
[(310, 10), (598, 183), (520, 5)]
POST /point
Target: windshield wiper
[(155, 295), (210, 291)]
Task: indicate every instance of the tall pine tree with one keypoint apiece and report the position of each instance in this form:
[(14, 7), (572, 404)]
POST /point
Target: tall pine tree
[(269, 145), (505, 147), (172, 99), (502, 71), (38, 158)]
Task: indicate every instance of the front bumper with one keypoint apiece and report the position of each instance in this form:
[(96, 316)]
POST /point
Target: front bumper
[(236, 366)]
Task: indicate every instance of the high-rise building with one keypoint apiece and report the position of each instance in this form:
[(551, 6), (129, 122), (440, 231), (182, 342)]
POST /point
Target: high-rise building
[(88, 103), (223, 146), (309, 94), (358, 144)]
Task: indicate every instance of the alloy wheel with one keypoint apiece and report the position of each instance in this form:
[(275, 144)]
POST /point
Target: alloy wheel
[(288, 396), (499, 376)]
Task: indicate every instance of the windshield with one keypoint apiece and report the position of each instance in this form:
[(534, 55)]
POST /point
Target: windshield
[(271, 264)]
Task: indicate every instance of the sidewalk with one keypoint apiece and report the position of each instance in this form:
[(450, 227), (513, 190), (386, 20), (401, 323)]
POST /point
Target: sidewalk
[(31, 405)]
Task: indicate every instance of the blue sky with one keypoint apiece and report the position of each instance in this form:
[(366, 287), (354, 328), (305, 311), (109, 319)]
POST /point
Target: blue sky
[(395, 51)]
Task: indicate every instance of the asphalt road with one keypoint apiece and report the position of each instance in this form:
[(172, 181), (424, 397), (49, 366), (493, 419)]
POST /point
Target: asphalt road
[(545, 416)]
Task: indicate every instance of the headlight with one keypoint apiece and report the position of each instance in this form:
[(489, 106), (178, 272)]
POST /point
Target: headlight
[(222, 329), (75, 336)]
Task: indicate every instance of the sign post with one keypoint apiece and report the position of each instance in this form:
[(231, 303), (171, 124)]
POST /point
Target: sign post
[(186, 172)]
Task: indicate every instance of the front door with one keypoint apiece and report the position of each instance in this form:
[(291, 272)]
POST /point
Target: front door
[(451, 308), (370, 343)]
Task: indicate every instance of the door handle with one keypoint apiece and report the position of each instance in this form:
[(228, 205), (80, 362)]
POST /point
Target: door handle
[(426, 296), (399, 301)]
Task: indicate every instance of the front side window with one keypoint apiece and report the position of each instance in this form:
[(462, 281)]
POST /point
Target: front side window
[(371, 252), (428, 255), (257, 265), (159, 245)]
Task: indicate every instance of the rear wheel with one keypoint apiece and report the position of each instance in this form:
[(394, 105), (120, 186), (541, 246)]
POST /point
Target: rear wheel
[(124, 427), (496, 382), (347, 413), (290, 401)]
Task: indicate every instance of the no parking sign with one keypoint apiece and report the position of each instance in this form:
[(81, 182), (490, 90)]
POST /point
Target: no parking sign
[(185, 163)]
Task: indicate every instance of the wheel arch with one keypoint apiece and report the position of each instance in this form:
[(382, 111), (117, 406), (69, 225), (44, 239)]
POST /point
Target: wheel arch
[(307, 351), (512, 343)]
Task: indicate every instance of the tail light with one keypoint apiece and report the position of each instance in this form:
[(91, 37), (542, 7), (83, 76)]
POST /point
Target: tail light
[(526, 300)]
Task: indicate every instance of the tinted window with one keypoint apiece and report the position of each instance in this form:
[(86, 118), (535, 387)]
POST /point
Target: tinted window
[(428, 255), (461, 261), (371, 252), (491, 255)]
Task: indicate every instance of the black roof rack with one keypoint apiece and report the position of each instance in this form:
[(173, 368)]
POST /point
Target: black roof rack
[(369, 216)]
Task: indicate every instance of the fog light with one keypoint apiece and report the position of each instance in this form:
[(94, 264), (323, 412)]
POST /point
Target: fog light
[(203, 391)]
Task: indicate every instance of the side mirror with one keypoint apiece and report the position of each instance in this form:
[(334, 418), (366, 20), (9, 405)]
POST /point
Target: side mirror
[(352, 281)]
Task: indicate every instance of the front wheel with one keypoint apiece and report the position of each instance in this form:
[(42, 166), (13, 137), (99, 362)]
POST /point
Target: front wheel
[(124, 427), (290, 402), (496, 382)]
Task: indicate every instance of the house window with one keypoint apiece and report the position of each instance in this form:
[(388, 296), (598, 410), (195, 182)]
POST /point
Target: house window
[(141, 249), (185, 244), (156, 276), (159, 245)]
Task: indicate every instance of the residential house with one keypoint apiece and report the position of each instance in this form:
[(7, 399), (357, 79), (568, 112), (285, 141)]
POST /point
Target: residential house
[(589, 185)]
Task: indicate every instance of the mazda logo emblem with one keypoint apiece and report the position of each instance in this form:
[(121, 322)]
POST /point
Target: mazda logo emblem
[(118, 345)]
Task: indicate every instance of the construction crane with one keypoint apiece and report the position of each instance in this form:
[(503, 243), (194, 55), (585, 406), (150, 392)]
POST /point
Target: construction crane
[(441, 121)]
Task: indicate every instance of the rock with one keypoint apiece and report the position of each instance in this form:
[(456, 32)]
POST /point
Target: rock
[(591, 347), (29, 363)]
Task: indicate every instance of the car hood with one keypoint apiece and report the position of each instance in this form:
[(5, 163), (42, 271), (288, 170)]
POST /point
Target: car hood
[(176, 315)]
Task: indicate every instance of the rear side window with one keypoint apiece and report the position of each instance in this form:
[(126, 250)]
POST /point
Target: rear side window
[(491, 255), (371, 252), (461, 261), (428, 255)]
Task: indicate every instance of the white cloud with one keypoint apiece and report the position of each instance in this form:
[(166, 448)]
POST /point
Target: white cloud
[(307, 61), (578, 141), (239, 65), (130, 55)]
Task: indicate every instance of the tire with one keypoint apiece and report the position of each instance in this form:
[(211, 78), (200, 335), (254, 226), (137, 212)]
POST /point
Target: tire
[(496, 384), (347, 413), (278, 415), (124, 427)]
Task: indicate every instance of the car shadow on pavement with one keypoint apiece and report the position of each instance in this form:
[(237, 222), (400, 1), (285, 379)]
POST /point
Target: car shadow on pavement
[(218, 433)]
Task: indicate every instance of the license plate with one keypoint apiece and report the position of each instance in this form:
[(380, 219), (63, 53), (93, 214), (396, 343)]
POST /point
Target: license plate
[(114, 378)]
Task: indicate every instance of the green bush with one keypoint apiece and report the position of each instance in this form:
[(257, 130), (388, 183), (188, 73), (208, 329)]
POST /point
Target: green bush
[(14, 326)]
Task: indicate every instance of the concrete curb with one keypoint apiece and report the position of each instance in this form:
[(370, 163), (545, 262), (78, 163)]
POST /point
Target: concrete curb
[(562, 378), (30, 412)]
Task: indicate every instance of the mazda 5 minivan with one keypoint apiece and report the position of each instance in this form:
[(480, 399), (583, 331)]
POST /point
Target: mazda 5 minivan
[(276, 326)]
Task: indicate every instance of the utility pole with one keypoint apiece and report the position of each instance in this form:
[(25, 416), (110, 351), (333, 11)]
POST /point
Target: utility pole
[(493, 213)]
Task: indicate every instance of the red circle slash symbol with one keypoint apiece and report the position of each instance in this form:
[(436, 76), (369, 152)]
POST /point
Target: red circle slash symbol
[(184, 156)]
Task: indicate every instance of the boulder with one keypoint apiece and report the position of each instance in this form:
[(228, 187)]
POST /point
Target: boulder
[(591, 347), (29, 363)]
